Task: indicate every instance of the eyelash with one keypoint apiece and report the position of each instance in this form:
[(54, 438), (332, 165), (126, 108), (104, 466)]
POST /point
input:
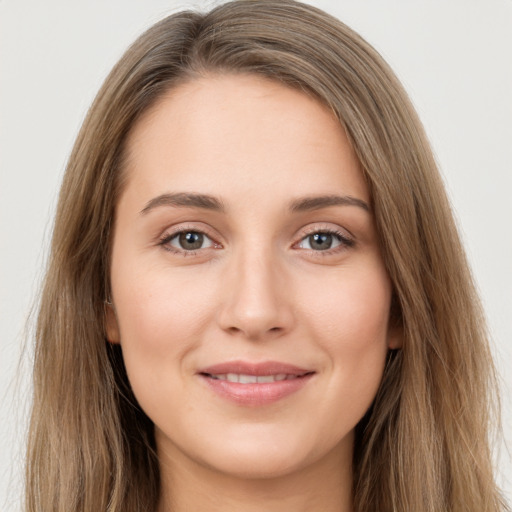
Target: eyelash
[(345, 242), (167, 237)]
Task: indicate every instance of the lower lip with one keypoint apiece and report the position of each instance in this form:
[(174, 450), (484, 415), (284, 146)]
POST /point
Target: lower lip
[(256, 394)]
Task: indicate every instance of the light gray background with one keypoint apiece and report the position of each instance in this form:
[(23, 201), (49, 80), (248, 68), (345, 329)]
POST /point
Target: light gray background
[(453, 56)]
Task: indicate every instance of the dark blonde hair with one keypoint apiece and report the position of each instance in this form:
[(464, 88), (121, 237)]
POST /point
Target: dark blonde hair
[(423, 446)]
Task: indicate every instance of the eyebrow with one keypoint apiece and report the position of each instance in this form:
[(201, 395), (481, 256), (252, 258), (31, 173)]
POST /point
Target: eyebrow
[(319, 202), (207, 202), (185, 199)]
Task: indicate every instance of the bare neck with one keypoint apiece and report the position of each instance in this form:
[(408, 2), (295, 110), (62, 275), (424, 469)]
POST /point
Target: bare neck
[(324, 485)]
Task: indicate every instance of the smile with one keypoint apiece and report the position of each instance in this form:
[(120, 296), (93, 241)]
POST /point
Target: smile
[(253, 379), (255, 384)]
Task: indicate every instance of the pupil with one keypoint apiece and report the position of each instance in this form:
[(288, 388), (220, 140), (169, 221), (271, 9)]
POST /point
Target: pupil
[(320, 241), (191, 240)]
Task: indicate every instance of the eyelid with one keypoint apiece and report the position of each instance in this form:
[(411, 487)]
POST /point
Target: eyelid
[(346, 239), (327, 227), (173, 231)]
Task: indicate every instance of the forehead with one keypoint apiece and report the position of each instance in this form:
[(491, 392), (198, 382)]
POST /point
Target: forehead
[(243, 135)]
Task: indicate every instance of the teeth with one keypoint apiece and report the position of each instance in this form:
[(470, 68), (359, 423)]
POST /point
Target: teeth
[(266, 378), (253, 379), (247, 379)]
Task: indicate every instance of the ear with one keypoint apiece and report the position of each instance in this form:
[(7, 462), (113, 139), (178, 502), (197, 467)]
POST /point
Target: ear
[(395, 325), (395, 335), (111, 324)]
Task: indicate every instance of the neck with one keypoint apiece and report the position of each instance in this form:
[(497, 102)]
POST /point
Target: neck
[(324, 485)]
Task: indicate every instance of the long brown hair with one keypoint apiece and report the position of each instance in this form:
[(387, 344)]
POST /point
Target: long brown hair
[(423, 446)]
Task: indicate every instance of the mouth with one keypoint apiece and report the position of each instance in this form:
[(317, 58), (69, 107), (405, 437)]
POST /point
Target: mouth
[(243, 378), (255, 384)]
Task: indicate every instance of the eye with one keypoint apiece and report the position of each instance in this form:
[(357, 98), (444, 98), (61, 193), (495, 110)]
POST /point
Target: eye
[(324, 240), (187, 241)]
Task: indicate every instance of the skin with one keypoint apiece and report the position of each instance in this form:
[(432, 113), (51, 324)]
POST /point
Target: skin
[(256, 290)]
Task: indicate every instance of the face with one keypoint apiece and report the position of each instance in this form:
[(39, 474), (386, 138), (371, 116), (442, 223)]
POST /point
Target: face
[(249, 293)]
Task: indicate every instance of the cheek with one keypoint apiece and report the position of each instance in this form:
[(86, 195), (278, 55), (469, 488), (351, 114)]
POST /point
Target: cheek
[(351, 307), (162, 315), (159, 304), (349, 320)]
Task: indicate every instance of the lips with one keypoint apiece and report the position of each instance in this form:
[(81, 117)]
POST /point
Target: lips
[(258, 369), (243, 378), (255, 384)]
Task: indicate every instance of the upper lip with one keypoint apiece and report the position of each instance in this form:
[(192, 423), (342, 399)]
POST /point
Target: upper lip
[(258, 369)]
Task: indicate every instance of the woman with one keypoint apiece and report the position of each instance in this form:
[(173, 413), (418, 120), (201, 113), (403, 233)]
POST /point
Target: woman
[(257, 298)]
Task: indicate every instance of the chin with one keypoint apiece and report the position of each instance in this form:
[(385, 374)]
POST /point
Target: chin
[(257, 464), (266, 456)]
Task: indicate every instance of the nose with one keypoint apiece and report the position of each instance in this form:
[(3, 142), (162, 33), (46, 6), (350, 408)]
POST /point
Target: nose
[(256, 303)]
